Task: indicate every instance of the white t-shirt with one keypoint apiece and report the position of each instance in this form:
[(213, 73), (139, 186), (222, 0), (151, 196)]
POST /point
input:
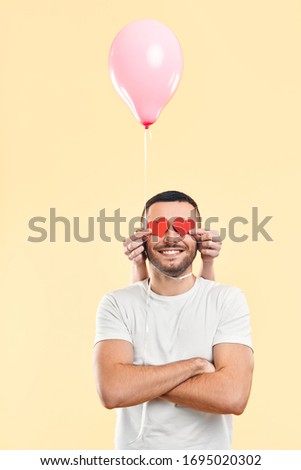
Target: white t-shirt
[(178, 327)]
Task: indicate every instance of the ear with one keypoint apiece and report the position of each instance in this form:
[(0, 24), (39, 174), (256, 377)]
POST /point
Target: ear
[(144, 252)]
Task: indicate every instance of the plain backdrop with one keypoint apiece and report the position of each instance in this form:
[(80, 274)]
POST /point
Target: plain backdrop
[(230, 138)]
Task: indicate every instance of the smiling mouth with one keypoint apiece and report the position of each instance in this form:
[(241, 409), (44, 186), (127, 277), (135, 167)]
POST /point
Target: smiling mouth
[(170, 252)]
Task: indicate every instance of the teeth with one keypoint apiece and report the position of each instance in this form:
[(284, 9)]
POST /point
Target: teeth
[(170, 252)]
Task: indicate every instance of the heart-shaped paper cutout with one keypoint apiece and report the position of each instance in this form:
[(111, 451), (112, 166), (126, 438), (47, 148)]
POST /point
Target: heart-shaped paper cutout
[(183, 226), (158, 226)]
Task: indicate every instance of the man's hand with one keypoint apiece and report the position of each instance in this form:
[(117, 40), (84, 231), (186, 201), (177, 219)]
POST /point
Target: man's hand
[(227, 390), (195, 383), (120, 383), (208, 367)]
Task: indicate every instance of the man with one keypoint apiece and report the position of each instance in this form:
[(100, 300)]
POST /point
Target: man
[(173, 353)]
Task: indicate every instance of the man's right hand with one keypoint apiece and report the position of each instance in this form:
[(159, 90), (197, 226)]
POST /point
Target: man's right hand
[(118, 380), (205, 367)]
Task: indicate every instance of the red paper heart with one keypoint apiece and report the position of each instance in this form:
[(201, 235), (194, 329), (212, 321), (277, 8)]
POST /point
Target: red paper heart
[(158, 226), (183, 226)]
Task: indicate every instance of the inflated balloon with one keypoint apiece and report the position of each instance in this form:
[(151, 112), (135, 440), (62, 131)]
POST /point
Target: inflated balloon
[(146, 64)]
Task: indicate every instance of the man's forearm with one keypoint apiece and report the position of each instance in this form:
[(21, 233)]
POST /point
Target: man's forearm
[(217, 392), (129, 385)]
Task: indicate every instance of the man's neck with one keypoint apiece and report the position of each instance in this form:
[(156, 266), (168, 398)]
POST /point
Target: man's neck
[(163, 285)]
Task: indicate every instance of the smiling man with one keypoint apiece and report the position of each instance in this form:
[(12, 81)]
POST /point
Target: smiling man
[(173, 353)]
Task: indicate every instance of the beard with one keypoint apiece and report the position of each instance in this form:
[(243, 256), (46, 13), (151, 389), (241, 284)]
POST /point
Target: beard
[(174, 269)]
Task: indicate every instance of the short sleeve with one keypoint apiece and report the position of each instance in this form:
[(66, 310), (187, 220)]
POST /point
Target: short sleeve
[(234, 325), (110, 323)]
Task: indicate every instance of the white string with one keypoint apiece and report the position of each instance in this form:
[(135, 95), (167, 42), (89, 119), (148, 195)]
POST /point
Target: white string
[(145, 171), (146, 330), (146, 131), (145, 168)]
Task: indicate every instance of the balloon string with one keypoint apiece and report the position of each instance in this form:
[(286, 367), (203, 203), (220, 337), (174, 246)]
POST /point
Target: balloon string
[(144, 405), (144, 362), (145, 169), (146, 131)]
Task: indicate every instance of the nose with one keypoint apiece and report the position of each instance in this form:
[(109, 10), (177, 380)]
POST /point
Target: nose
[(171, 236)]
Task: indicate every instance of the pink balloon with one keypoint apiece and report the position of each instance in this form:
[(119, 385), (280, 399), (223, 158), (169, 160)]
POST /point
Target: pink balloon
[(146, 64)]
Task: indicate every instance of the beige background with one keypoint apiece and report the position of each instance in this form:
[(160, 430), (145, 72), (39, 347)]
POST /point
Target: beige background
[(230, 137)]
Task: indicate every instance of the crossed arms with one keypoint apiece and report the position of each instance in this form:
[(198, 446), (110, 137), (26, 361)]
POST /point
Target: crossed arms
[(223, 388)]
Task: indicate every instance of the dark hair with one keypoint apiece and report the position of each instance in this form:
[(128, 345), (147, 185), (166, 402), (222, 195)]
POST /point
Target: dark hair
[(169, 196)]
